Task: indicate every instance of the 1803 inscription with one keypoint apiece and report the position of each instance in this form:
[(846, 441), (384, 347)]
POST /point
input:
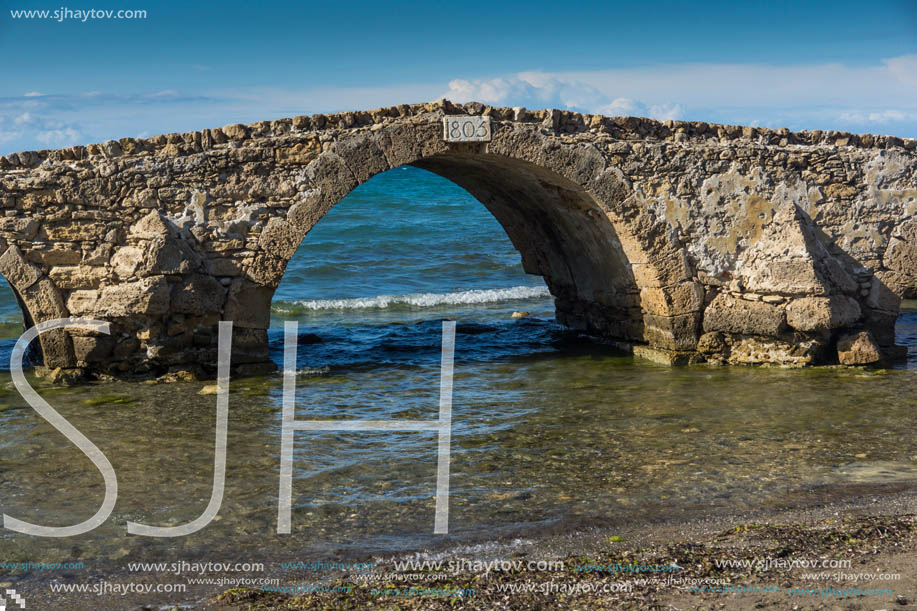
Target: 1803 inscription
[(466, 129)]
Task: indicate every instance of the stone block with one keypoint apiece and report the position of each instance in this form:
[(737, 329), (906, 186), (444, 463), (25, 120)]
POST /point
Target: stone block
[(100, 255), (280, 238), (17, 271), (224, 266), (822, 313), (682, 298), (152, 226), (881, 324), (901, 254), (331, 176), (198, 295), (731, 315), (266, 270), (882, 297), (236, 131), (169, 256), (43, 302), (363, 155), (788, 277), (19, 228), (92, 349), (248, 304), (665, 357), (712, 343), (769, 351), (671, 332), (299, 153), (78, 276), (858, 349), (249, 345), (82, 302), (57, 255), (149, 296), (74, 230), (126, 260), (902, 284)]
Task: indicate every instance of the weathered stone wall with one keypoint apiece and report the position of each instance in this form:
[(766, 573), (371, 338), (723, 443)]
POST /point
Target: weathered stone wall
[(699, 241)]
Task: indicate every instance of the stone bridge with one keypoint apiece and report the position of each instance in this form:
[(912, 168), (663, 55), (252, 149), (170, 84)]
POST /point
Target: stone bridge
[(686, 241)]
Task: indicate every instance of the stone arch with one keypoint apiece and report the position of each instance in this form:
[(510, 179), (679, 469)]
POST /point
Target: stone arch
[(571, 216), (643, 230), (40, 300)]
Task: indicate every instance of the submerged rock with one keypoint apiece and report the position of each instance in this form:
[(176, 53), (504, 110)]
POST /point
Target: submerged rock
[(858, 349), (61, 375)]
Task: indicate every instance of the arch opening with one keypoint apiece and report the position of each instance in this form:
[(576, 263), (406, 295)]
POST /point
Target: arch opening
[(14, 319), (557, 228), (402, 251)]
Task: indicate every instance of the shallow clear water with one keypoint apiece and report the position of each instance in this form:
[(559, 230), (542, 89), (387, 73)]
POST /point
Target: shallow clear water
[(549, 427)]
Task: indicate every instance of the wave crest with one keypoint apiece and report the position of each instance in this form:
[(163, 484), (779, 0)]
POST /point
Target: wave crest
[(415, 300)]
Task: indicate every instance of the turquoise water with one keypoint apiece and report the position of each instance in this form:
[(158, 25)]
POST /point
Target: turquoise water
[(407, 234), (551, 429), (372, 280)]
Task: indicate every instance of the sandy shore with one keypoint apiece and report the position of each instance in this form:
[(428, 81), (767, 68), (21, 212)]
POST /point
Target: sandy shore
[(860, 545), (867, 535)]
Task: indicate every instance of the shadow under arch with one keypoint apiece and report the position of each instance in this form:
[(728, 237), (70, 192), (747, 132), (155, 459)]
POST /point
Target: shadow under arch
[(561, 233)]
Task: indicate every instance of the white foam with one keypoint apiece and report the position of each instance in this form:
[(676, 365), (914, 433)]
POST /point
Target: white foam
[(313, 371), (423, 300)]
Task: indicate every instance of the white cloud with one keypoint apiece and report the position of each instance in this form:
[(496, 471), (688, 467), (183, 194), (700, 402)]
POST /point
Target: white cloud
[(529, 89), (35, 123), (879, 117), (816, 96), (34, 94), (622, 107), (903, 68), (9, 136), (664, 112), (541, 90), (879, 98), (165, 94), (59, 137)]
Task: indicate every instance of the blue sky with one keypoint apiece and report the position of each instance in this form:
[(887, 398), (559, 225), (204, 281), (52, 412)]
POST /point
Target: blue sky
[(817, 65)]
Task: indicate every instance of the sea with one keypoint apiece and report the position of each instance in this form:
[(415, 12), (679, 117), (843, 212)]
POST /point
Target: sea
[(553, 431)]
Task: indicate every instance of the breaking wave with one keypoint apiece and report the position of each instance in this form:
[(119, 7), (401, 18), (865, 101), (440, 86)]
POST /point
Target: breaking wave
[(415, 300)]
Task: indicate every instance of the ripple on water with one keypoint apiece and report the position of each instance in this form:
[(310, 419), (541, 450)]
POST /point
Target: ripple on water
[(549, 429), (878, 472), (559, 437)]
